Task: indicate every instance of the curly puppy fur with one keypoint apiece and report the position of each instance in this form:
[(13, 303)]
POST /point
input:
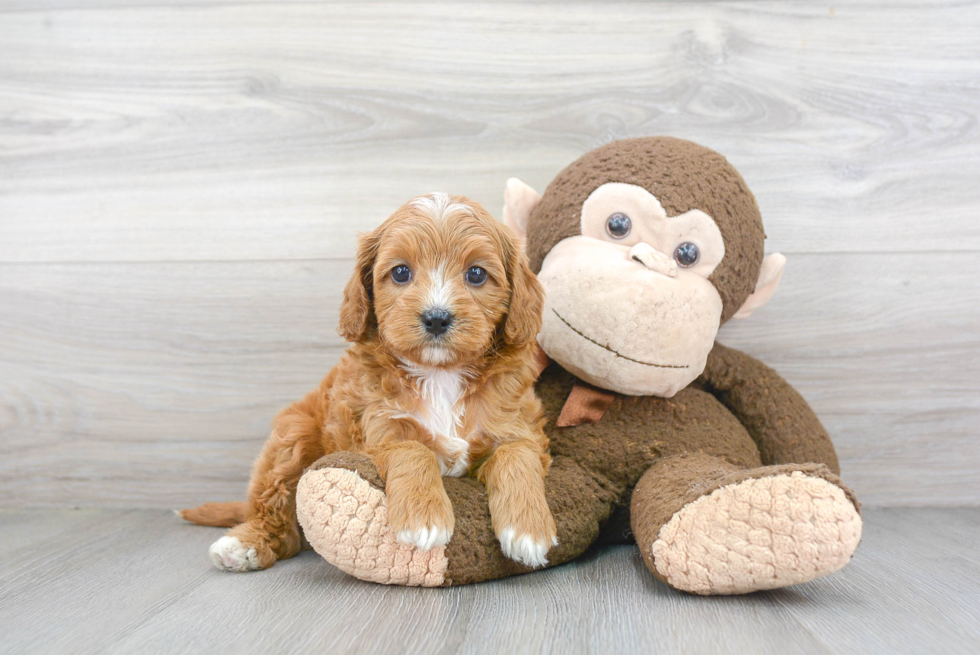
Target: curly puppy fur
[(420, 402)]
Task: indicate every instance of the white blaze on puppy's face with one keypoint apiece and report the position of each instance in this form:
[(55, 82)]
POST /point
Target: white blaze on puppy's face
[(439, 293), (629, 306)]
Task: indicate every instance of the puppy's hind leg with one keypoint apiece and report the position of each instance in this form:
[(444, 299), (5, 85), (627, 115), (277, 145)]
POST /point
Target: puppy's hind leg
[(270, 531)]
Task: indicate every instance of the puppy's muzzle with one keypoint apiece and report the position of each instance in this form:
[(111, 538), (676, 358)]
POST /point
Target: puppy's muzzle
[(436, 321)]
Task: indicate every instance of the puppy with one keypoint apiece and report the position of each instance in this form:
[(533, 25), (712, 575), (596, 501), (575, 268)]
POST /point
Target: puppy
[(443, 313)]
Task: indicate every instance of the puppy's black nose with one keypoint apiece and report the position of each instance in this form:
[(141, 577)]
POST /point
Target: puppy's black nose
[(436, 321)]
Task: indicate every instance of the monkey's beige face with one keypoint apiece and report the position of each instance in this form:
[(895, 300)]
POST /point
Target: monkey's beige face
[(628, 304)]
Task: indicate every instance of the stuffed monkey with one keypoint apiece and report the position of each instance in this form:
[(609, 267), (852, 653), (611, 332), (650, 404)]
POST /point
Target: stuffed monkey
[(711, 462)]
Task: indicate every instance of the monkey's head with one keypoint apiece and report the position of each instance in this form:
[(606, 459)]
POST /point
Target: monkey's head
[(645, 247)]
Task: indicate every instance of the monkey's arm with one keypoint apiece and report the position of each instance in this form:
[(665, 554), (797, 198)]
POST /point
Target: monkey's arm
[(780, 422), (344, 513)]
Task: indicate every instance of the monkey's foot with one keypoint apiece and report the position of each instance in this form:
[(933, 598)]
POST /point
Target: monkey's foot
[(344, 513), (756, 534)]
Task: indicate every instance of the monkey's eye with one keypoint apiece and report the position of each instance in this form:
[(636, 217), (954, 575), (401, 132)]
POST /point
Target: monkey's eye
[(687, 254), (619, 225), (401, 274), (476, 276)]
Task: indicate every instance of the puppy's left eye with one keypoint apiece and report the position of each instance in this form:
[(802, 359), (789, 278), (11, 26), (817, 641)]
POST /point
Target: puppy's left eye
[(476, 276)]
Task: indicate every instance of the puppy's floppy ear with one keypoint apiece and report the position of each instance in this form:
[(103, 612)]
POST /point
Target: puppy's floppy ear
[(357, 310), (526, 298)]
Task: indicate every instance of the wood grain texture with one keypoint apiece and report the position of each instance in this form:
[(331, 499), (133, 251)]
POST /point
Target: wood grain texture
[(153, 385), (103, 581), (229, 130), (181, 184)]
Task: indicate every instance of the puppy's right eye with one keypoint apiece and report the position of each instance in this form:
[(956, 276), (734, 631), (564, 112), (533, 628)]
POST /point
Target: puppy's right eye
[(401, 274)]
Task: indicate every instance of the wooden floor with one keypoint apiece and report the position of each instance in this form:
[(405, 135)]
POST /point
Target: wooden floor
[(117, 581)]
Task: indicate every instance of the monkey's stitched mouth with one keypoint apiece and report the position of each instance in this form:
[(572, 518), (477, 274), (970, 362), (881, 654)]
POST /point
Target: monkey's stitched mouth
[(605, 347)]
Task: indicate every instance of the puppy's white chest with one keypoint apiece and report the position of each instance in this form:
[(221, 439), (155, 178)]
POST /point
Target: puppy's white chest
[(442, 413)]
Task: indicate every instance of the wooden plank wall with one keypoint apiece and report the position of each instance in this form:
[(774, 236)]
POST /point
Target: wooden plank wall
[(181, 184)]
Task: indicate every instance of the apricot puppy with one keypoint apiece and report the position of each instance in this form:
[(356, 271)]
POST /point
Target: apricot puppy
[(443, 313)]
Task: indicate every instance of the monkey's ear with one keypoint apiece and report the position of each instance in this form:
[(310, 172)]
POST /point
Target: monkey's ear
[(356, 311), (769, 276), (519, 201)]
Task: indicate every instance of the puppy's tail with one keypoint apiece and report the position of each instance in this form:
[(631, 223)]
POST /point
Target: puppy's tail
[(222, 515)]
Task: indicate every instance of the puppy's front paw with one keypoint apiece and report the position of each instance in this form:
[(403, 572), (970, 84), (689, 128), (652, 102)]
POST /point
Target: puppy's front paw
[(524, 526), (524, 548), (230, 554), (422, 520), (425, 538)]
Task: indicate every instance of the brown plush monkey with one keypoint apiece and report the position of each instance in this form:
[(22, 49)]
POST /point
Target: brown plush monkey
[(714, 464)]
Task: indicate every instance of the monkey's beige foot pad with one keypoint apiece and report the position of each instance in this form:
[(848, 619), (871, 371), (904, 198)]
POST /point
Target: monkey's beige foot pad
[(345, 519), (758, 534)]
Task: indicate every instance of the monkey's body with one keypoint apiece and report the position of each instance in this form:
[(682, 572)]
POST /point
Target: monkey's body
[(713, 463), (592, 476), (662, 453)]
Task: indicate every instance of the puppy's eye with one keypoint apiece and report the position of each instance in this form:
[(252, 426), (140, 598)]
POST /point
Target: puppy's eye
[(619, 225), (476, 276), (401, 274), (687, 254)]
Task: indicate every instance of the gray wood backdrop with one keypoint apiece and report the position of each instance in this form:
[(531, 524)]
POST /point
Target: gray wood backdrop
[(181, 184)]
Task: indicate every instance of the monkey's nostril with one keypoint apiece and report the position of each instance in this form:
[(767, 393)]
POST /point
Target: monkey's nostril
[(653, 259), (436, 321)]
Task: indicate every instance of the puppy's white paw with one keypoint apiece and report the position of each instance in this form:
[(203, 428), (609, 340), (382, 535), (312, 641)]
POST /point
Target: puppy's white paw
[(425, 538), (524, 549), (230, 554)]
